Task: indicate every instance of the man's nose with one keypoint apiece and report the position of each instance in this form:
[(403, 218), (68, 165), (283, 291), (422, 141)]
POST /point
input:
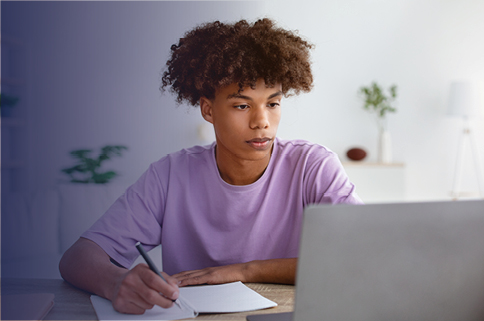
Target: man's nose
[(259, 118)]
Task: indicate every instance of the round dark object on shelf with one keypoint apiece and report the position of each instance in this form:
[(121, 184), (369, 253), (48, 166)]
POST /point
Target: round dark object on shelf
[(356, 154)]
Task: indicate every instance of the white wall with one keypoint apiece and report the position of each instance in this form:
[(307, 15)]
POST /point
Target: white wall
[(94, 76), (419, 45), (95, 70)]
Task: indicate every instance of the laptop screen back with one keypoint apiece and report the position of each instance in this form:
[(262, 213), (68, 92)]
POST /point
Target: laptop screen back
[(410, 261)]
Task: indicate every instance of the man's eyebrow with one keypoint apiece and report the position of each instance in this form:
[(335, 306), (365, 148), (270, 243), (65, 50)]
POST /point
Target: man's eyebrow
[(238, 95), (279, 93)]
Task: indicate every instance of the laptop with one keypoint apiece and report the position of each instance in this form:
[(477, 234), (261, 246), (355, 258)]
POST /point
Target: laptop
[(409, 261)]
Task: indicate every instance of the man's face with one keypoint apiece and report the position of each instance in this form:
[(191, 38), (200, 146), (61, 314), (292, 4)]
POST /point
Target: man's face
[(245, 123)]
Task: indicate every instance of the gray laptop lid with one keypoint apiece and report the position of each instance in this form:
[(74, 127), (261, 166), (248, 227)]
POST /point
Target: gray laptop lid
[(411, 261)]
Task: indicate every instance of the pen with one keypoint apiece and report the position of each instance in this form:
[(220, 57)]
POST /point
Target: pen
[(150, 263)]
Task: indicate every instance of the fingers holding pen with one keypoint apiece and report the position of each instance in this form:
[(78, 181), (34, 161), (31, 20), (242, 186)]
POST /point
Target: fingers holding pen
[(140, 289), (163, 276), (156, 290), (168, 287), (130, 302)]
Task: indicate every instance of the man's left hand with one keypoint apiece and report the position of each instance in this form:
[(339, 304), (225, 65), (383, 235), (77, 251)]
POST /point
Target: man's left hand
[(213, 275)]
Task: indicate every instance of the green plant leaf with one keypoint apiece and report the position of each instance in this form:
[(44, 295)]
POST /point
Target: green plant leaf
[(103, 178), (77, 168), (375, 99), (88, 166), (7, 100)]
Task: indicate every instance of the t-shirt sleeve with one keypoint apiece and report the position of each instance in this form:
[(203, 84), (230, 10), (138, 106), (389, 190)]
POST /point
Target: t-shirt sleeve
[(327, 182), (136, 216)]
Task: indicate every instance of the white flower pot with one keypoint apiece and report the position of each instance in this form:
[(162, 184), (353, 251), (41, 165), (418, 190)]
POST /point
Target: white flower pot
[(385, 147)]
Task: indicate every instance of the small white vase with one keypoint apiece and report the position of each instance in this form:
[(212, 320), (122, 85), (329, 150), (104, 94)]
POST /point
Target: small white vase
[(385, 147)]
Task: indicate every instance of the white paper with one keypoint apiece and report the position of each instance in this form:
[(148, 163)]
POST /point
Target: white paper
[(223, 298), (105, 311)]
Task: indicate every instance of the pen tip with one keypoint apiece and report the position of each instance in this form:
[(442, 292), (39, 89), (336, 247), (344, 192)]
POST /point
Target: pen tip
[(138, 243)]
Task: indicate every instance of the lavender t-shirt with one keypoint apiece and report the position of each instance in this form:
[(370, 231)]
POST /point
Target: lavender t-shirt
[(201, 221)]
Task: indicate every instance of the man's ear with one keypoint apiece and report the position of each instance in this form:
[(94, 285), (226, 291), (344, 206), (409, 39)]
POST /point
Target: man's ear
[(206, 109)]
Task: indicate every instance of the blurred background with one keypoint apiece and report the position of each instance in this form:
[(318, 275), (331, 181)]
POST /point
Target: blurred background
[(86, 75)]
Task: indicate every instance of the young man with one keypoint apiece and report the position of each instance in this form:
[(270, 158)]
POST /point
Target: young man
[(229, 211)]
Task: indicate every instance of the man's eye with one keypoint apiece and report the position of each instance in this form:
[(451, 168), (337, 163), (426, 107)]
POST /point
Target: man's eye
[(241, 107), (274, 105)]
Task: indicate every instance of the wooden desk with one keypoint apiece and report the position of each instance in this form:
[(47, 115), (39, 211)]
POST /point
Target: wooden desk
[(74, 304)]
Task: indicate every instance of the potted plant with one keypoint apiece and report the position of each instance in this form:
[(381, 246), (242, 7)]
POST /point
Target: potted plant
[(380, 104), (7, 103), (87, 168)]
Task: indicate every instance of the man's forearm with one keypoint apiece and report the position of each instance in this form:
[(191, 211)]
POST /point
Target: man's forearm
[(281, 271), (86, 266)]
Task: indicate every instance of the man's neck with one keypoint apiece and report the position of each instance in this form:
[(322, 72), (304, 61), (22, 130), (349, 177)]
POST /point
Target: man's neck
[(240, 172)]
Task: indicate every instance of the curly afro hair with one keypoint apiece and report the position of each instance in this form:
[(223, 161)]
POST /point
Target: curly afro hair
[(215, 55)]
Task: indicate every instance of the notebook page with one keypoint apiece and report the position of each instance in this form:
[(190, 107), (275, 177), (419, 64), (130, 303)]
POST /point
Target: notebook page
[(223, 298)]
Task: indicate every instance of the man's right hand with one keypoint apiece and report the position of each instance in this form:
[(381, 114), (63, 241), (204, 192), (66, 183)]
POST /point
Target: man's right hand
[(140, 289), (88, 267)]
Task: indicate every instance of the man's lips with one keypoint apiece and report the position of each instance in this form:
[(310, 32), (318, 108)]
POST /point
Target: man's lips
[(259, 140), (259, 143)]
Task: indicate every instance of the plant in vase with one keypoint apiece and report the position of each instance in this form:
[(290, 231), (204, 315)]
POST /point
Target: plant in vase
[(378, 103), (87, 168), (7, 103)]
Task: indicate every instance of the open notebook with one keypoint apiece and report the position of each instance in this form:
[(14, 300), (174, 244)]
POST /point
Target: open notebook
[(223, 298)]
